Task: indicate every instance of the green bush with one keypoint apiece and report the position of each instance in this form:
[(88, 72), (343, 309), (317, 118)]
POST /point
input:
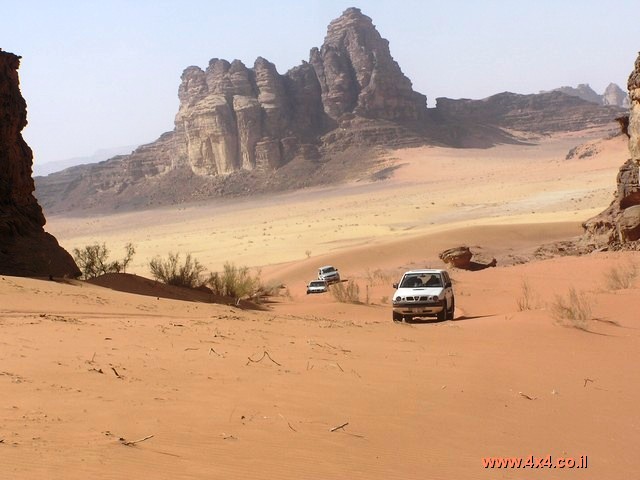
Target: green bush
[(93, 260), (172, 272)]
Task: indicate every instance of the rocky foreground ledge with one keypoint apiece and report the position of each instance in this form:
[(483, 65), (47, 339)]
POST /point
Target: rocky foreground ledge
[(25, 248)]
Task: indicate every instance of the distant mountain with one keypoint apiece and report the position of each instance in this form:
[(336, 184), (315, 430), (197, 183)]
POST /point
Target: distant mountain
[(250, 130), (613, 94), (44, 169)]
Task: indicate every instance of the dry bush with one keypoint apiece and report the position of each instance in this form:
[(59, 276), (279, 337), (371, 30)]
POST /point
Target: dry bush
[(378, 277), (172, 272), (346, 292), (574, 310), (237, 282), (528, 299), (93, 260), (621, 277)]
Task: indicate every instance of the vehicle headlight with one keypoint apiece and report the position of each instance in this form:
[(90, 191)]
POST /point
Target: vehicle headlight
[(397, 299)]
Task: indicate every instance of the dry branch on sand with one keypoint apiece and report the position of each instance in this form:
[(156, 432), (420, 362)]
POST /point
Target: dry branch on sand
[(339, 427), (132, 443), (264, 354)]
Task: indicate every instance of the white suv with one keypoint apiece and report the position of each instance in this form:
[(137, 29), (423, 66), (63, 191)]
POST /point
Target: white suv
[(317, 286), (329, 274), (424, 293)]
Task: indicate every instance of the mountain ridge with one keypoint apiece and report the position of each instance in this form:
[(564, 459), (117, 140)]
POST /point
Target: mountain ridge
[(240, 130)]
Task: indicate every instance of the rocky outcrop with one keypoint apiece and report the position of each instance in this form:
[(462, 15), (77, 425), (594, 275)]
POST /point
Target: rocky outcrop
[(542, 113), (458, 257), (583, 91), (619, 224), (243, 130), (358, 75), (463, 258), (235, 119), (613, 95), (25, 248)]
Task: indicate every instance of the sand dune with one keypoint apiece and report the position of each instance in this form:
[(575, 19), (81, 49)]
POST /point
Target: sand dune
[(313, 388)]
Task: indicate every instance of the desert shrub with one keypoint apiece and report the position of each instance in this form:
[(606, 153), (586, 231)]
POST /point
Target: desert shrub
[(346, 292), (573, 310), (172, 272), (93, 260), (527, 300), (621, 277), (378, 277), (237, 282)]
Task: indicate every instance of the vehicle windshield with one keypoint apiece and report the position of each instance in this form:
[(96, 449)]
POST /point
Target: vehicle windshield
[(316, 284), (424, 280), (327, 270)]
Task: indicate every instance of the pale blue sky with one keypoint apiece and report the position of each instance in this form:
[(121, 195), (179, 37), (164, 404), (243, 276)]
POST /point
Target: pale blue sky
[(101, 74)]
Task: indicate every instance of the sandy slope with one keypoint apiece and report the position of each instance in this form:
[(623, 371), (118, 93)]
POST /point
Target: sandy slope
[(228, 393)]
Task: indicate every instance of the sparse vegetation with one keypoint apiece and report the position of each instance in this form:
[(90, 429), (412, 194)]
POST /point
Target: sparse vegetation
[(378, 277), (621, 277), (527, 300), (172, 272), (93, 260), (237, 282), (575, 310), (346, 292)]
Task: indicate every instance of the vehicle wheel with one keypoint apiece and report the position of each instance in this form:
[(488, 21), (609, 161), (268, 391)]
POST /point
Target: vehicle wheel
[(442, 315), (397, 317), (452, 310)]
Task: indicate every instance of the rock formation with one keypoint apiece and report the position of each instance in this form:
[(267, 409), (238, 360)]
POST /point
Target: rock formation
[(25, 248), (358, 75), (542, 113), (583, 91), (619, 224), (613, 95), (244, 130), (458, 257), (235, 120), (461, 257)]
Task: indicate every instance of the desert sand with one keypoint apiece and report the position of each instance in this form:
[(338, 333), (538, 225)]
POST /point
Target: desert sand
[(101, 382)]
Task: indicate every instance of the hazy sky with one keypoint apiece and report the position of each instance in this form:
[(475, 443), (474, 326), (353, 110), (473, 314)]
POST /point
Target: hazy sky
[(105, 73)]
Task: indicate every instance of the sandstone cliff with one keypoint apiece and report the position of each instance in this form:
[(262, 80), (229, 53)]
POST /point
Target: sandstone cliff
[(614, 95), (244, 130), (238, 127), (25, 248), (542, 113), (619, 224)]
